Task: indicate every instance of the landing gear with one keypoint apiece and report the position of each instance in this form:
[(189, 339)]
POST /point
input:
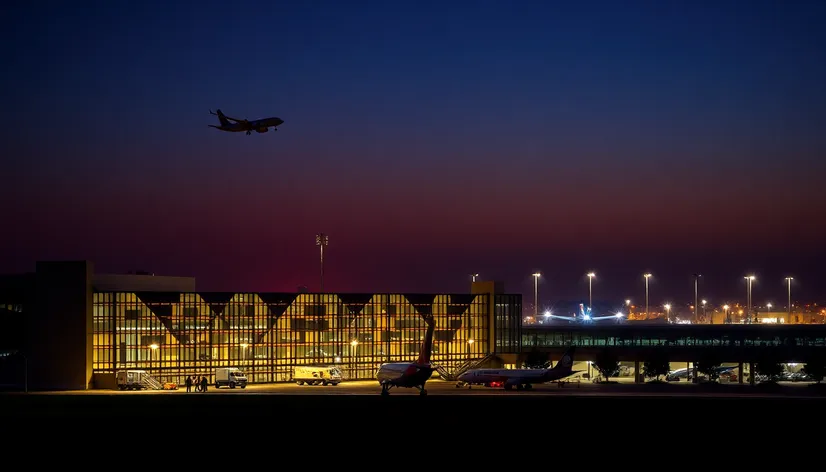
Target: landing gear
[(249, 132), (385, 389), (422, 391)]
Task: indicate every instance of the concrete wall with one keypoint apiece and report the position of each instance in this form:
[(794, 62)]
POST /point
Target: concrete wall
[(59, 330)]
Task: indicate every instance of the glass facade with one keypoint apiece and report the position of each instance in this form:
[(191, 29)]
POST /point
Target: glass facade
[(508, 323), (172, 335), (630, 336)]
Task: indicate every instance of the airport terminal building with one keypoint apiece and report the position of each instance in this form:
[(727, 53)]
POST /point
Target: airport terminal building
[(81, 327)]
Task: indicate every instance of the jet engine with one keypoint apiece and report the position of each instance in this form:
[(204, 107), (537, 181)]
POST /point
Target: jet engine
[(262, 130)]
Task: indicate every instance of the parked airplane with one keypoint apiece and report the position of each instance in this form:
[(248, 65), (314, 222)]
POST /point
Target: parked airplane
[(410, 374), (521, 378), (262, 126)]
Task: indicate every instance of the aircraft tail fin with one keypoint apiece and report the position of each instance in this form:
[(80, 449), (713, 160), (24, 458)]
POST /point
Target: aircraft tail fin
[(223, 119), (565, 364), (427, 345)]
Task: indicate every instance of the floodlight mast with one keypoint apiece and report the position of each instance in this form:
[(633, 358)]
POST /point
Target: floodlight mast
[(322, 240)]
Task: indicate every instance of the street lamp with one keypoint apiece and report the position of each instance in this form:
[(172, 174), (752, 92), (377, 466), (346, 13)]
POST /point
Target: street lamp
[(536, 276), (647, 276), (789, 306), (768, 308), (354, 344), (725, 310), (704, 310), (591, 276), (749, 279), (696, 280), (469, 346), (473, 277), (322, 240), (667, 307), (154, 348)]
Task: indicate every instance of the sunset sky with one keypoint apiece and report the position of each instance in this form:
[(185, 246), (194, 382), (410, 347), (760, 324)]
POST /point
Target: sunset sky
[(429, 142)]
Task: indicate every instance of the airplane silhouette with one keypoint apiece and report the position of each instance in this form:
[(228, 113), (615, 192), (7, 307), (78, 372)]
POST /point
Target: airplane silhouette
[(262, 126), (520, 378), (410, 374)]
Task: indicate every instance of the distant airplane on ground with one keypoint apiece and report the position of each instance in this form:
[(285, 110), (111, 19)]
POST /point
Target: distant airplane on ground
[(410, 374), (262, 126), (521, 378)]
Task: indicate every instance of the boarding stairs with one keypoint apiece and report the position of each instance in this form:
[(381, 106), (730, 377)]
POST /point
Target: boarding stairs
[(150, 382), (453, 374)]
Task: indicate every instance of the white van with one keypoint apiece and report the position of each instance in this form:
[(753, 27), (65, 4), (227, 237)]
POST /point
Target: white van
[(312, 375), (231, 376)]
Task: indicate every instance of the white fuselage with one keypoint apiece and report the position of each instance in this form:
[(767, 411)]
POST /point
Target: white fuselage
[(486, 376)]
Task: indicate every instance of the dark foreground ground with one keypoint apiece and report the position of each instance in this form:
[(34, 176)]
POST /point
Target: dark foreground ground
[(317, 404), (280, 421)]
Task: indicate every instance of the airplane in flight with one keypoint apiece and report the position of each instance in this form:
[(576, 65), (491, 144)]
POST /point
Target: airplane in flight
[(410, 374), (521, 378), (262, 126)]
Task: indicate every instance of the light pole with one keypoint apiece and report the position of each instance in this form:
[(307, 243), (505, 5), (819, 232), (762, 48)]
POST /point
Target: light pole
[(696, 280), (591, 276), (749, 279), (353, 352), (473, 277), (536, 276), (725, 310), (789, 306), (153, 347), (667, 307), (322, 240), (704, 311), (647, 276)]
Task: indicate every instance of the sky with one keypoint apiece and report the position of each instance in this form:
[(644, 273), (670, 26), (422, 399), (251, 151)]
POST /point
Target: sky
[(429, 140)]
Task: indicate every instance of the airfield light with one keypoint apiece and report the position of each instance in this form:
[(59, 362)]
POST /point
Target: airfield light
[(547, 312), (647, 276), (619, 315), (591, 276), (749, 279), (587, 317)]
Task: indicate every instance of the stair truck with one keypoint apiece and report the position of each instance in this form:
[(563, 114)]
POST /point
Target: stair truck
[(134, 380)]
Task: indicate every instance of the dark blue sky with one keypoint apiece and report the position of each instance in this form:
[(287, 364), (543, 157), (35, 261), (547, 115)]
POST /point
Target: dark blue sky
[(429, 141)]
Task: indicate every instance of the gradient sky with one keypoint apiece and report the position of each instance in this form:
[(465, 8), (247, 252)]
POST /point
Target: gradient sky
[(428, 141)]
